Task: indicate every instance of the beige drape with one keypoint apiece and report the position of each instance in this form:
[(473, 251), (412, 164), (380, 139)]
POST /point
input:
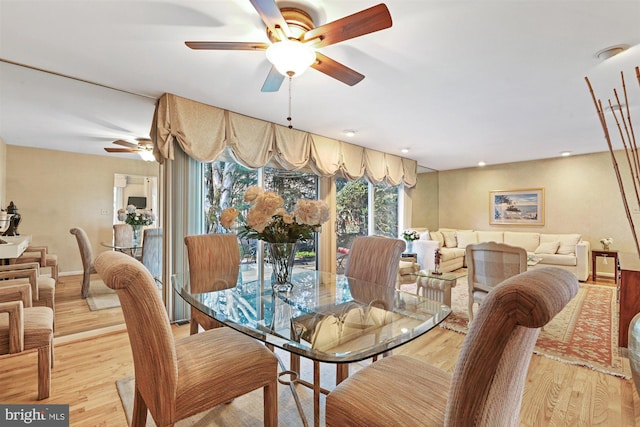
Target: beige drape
[(203, 132)]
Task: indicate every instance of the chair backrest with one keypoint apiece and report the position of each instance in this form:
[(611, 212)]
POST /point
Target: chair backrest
[(490, 263), (152, 343), (214, 261), (489, 377), (85, 247), (122, 235), (152, 251), (375, 259), (634, 350)]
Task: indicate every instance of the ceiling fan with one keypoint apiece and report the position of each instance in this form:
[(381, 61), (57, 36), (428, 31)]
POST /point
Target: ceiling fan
[(144, 147), (295, 38)]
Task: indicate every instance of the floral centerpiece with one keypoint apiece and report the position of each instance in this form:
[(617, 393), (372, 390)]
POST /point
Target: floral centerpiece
[(606, 242), (267, 220), (136, 219), (410, 236)]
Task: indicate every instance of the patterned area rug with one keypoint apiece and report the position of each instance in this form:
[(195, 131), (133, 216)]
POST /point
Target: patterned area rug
[(585, 333)]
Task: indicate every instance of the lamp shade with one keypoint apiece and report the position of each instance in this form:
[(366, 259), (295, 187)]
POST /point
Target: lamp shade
[(290, 57), (147, 155)]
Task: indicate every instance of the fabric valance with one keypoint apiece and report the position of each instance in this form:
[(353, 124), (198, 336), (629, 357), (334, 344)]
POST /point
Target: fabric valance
[(203, 132)]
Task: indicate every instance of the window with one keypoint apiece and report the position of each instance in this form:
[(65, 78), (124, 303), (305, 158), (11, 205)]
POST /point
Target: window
[(353, 218), (225, 184), (292, 186)]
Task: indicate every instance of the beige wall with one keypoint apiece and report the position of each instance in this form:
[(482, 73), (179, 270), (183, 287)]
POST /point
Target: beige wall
[(55, 191), (424, 208), (581, 196), (3, 174)]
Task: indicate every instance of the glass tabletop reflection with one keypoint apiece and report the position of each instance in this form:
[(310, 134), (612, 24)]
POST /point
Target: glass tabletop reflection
[(325, 317)]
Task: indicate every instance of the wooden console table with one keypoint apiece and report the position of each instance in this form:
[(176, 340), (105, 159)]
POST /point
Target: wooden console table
[(605, 254)]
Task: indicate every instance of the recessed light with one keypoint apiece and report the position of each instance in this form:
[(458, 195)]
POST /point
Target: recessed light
[(350, 133), (610, 51), (565, 153), (481, 164), (405, 150)]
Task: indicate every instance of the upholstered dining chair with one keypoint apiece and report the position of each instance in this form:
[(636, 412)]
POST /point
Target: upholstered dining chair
[(86, 253), (177, 378), (122, 235), (43, 289), (214, 260), (634, 350), (488, 381), (489, 264), (152, 252), (27, 328), (375, 259), (41, 255)]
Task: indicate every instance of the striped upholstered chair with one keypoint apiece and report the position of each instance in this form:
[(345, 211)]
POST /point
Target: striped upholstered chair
[(27, 328), (86, 254), (488, 380), (177, 378), (214, 261), (375, 259), (489, 264)]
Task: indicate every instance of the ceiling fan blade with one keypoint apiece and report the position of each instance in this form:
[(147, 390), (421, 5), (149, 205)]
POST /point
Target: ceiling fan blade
[(334, 69), (366, 21), (120, 150), (227, 45), (273, 81), (272, 17), (126, 143)]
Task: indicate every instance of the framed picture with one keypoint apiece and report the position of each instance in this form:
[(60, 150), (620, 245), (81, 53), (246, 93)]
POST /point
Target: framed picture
[(517, 207)]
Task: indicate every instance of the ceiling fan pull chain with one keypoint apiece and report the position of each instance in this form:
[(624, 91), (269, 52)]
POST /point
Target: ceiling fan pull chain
[(289, 118)]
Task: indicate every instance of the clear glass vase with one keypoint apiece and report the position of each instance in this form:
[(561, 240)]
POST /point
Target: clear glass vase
[(281, 256), (137, 234)]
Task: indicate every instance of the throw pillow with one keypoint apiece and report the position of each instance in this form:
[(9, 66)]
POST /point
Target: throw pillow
[(424, 235), (548, 248), (449, 239), (465, 238), (568, 243), (436, 235)]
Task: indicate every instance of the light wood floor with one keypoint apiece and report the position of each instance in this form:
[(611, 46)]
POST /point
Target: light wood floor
[(92, 352)]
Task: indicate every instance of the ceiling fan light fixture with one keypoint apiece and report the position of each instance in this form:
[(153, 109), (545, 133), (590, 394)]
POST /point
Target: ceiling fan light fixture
[(147, 155), (290, 57)]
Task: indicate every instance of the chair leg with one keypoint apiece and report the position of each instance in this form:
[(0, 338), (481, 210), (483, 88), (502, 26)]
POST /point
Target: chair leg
[(139, 416), (270, 398), (86, 281), (470, 308), (44, 372), (193, 327)]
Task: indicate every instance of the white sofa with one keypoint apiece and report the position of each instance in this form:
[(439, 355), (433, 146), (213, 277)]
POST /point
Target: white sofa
[(567, 251)]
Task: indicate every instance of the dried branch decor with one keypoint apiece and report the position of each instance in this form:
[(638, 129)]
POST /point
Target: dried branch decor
[(628, 138)]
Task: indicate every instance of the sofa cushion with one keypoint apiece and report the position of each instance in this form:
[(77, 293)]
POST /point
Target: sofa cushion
[(568, 242), (465, 238), (490, 236), (548, 247), (447, 254), (449, 238), (556, 259), (437, 235), (521, 239)]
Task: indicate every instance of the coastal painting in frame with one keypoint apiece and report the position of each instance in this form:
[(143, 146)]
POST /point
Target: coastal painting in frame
[(517, 207)]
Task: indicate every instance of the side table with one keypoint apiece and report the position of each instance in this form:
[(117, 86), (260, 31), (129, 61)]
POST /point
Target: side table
[(437, 286), (605, 254)]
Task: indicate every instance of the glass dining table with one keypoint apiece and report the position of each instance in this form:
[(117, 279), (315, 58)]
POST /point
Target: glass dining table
[(326, 318)]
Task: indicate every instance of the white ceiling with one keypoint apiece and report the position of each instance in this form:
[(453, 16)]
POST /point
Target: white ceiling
[(456, 82)]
